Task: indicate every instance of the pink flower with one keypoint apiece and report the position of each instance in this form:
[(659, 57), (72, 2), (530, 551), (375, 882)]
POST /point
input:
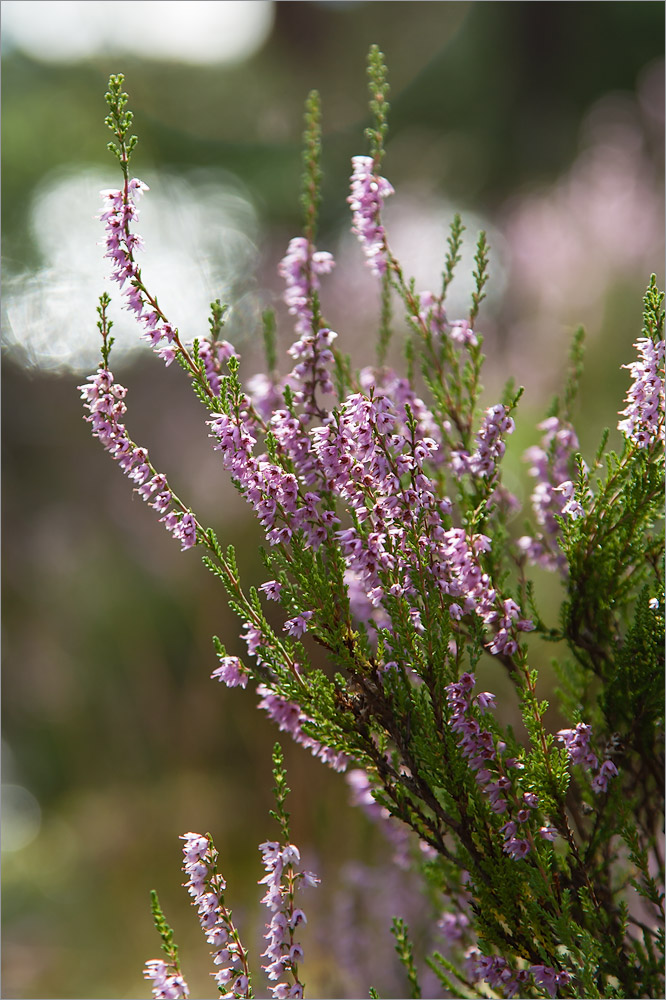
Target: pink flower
[(368, 192), (299, 625), (231, 672)]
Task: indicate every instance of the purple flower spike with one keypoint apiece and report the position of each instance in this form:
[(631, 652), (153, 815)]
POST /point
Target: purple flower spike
[(577, 743), (368, 192), (282, 952), (104, 400), (551, 467), (120, 211), (300, 268), (644, 412), (289, 718), (206, 887)]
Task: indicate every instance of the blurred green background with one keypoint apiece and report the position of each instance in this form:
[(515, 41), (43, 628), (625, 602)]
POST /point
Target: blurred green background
[(542, 122)]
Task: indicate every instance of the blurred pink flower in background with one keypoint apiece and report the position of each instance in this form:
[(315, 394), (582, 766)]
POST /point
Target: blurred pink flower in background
[(596, 230)]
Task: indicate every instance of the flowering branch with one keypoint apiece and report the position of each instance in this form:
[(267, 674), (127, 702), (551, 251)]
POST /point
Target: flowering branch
[(389, 546)]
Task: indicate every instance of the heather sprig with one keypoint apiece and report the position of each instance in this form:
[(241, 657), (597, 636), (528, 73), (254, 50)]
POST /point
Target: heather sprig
[(403, 947), (282, 880), (379, 106), (280, 792), (119, 120), (206, 886), (104, 399), (311, 184), (165, 975), (381, 499)]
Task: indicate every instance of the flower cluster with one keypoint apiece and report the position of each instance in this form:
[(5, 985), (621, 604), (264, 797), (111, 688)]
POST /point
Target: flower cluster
[(230, 672), (282, 952), (453, 926), (551, 467), (486, 759), (644, 413), (490, 446), (577, 743), (432, 315), (312, 355), (104, 400), (274, 493), (497, 973), (300, 268), (572, 508), (364, 459), (215, 355), (121, 243), (404, 588), (414, 420), (290, 718), (167, 985), (396, 833), (368, 192), (207, 887)]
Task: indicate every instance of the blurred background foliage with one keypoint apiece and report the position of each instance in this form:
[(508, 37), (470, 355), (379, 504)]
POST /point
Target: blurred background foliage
[(542, 122)]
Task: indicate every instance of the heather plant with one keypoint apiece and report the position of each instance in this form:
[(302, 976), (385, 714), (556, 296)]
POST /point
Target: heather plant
[(389, 543)]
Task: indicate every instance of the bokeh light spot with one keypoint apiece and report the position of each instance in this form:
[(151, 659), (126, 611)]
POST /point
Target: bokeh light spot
[(21, 818), (199, 31)]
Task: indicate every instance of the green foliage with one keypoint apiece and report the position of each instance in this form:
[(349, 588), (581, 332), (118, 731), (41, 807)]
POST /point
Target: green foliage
[(379, 106), (104, 325), (218, 313), (119, 120), (453, 256), (480, 274), (632, 699), (268, 329), (280, 791), (389, 695), (311, 184), (403, 947), (169, 946)]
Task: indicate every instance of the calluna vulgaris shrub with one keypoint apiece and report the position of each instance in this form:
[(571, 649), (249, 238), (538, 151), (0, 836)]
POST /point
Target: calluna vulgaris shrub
[(381, 498)]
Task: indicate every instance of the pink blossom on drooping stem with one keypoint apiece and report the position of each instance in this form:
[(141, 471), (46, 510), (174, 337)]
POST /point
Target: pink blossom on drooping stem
[(289, 718), (572, 508), (104, 400), (231, 672)]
